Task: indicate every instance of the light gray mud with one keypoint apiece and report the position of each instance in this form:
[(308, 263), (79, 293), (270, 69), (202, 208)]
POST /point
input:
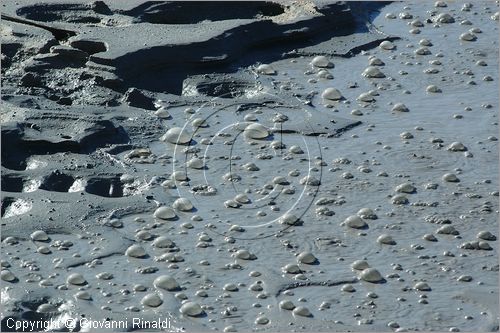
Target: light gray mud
[(95, 97)]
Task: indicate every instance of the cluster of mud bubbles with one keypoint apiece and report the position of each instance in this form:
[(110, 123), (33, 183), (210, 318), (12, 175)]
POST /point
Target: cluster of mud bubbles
[(322, 190)]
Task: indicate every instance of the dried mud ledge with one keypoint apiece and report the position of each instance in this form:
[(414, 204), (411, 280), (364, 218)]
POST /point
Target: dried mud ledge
[(263, 30)]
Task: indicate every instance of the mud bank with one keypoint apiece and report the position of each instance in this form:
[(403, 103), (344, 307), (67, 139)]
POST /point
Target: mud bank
[(312, 166)]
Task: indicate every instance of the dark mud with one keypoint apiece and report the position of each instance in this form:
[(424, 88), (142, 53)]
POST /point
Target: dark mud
[(94, 93)]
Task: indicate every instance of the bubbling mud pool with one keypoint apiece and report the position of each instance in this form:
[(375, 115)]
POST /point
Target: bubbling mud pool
[(352, 191)]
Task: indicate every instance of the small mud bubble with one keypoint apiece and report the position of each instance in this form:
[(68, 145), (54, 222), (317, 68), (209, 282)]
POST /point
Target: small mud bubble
[(280, 180), (359, 265), (143, 235), (152, 300), (291, 269), (422, 286), (243, 254), (251, 167), (332, 94), (277, 145), (399, 199), (195, 163), (266, 69), (306, 258), (10, 240), (83, 295), (468, 36), (76, 279), (46, 308), (256, 131), (484, 246), (254, 274), (163, 242), (347, 175), (355, 222), (400, 107), (127, 179), (387, 45), (444, 18), (367, 213), (425, 42), (422, 51), (322, 62), (181, 296), (416, 23), (486, 235), (456, 146), (406, 135), (176, 135), (386, 239), (168, 184), (162, 113), (373, 72), (43, 250), (464, 278), (261, 320), (310, 180), (302, 311), (139, 288), (237, 228), (183, 205), (405, 188), (242, 199), (39, 236), (286, 305), (7, 275), (365, 97), (179, 176), (135, 251), (166, 282), (295, 150), (430, 238), (230, 287), (451, 178), (371, 275), (447, 230), (199, 122), (164, 213), (104, 276), (322, 74), (405, 15), (205, 141), (432, 89), (374, 61), (250, 117), (348, 288)]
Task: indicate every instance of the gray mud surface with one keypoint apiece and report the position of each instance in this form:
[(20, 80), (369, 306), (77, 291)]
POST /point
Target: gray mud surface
[(373, 210)]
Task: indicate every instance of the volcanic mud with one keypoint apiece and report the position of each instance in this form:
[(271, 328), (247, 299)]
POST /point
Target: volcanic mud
[(271, 166)]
